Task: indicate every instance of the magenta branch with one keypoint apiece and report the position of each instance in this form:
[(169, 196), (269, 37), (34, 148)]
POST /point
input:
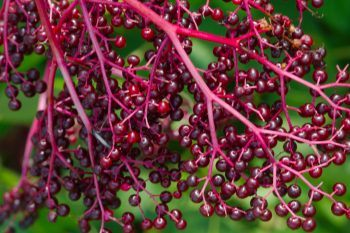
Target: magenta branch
[(155, 128)]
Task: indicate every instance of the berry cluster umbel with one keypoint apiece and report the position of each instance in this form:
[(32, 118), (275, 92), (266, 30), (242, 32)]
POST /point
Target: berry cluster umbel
[(108, 130)]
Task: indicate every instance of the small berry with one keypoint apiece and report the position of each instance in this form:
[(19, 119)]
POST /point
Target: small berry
[(106, 162), (163, 107), (133, 137), (120, 42), (317, 3), (147, 34), (217, 14), (14, 104)]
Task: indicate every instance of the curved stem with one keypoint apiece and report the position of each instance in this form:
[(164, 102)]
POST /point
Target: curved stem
[(58, 55), (33, 129), (170, 30)]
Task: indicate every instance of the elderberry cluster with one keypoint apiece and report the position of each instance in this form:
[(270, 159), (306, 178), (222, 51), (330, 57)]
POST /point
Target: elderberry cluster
[(109, 133), (19, 38)]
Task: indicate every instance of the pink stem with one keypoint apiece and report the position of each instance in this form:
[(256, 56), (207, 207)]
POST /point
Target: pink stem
[(58, 54), (171, 31)]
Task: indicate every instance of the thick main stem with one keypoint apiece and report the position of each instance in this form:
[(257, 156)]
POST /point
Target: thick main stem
[(170, 30), (58, 55), (99, 53), (173, 29)]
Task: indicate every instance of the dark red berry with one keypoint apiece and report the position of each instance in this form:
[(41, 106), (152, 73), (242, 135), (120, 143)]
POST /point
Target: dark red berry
[(163, 107), (147, 34), (133, 137), (120, 42)]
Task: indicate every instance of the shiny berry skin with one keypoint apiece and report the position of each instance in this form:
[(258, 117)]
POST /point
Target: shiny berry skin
[(106, 162), (109, 133), (317, 3), (147, 34), (217, 14), (159, 223), (206, 210), (294, 222), (163, 107), (320, 76), (309, 224), (181, 224), (128, 218), (133, 90), (14, 104), (133, 137), (146, 224), (237, 2), (339, 189), (133, 60), (120, 42)]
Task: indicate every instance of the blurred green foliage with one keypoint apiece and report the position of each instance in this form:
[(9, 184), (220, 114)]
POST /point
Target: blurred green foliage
[(329, 27)]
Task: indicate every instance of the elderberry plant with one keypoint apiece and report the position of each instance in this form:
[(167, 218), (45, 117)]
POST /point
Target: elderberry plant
[(108, 130)]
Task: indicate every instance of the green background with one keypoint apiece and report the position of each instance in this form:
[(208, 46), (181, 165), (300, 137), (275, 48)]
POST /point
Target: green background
[(330, 28)]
